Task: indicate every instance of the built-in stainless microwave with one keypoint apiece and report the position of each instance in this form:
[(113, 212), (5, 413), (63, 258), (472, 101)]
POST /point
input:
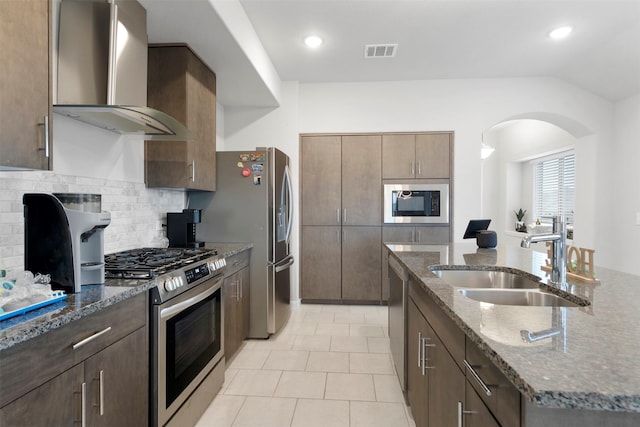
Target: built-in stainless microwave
[(416, 203)]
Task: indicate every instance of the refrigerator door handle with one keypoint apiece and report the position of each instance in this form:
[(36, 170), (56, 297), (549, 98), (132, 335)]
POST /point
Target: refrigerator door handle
[(283, 264), (287, 178)]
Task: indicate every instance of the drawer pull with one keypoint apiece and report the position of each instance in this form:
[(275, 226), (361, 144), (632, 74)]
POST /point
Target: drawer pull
[(475, 375), (91, 338)]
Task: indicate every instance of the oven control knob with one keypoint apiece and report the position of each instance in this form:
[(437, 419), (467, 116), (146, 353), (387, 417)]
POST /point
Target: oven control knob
[(173, 283)]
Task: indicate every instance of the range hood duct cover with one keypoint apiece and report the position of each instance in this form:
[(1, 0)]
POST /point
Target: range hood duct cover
[(102, 70)]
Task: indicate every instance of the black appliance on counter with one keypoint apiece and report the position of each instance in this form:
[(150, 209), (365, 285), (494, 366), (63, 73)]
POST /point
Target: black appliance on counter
[(477, 228), (181, 228), (64, 238), (186, 336)]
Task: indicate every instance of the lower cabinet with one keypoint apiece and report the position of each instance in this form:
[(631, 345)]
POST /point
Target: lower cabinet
[(236, 302), (341, 264), (59, 402), (436, 384), (450, 381), (474, 411), (104, 382)]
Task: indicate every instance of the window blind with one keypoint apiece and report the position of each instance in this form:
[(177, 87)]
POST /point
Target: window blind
[(554, 187)]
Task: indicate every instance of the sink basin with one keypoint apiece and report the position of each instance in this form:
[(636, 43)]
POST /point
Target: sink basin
[(486, 279), (528, 297)]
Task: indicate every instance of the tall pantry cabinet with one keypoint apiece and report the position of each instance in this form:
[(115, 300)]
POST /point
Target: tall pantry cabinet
[(342, 230), (341, 224)]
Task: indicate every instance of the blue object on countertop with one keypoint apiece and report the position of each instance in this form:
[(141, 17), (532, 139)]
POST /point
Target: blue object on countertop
[(56, 296)]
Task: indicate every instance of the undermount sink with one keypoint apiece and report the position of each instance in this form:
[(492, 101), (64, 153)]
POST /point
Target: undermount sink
[(527, 297), (486, 279)]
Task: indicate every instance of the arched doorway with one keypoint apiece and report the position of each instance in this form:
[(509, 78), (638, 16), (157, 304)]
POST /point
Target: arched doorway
[(507, 175)]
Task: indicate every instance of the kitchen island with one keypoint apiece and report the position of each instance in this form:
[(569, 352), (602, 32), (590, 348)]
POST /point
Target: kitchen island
[(586, 370)]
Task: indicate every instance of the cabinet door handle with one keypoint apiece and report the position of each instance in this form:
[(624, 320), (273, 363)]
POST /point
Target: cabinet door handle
[(413, 168), (100, 404), (83, 409), (424, 355), (241, 288), (419, 168), (475, 375), (91, 338), (420, 350), (193, 171), (338, 216), (45, 125), (417, 236), (462, 412), (344, 219)]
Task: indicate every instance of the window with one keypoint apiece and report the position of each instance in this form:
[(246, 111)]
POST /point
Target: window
[(554, 186)]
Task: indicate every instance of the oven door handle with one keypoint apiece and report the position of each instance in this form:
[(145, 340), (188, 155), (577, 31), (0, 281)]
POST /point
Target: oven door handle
[(177, 308)]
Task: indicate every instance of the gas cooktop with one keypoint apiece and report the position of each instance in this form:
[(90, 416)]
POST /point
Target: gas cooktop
[(147, 263)]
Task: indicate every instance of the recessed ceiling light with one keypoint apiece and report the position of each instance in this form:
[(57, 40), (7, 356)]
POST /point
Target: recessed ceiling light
[(561, 32), (312, 41)]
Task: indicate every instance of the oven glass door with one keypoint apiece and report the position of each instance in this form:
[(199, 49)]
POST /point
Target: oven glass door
[(190, 343)]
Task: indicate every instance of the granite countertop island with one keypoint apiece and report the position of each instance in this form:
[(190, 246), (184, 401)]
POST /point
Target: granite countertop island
[(591, 363), (92, 299)]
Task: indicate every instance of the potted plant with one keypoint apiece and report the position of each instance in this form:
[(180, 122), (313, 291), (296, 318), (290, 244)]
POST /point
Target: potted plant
[(520, 225)]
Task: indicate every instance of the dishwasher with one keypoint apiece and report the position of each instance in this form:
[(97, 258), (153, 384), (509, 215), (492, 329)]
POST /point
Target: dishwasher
[(398, 300)]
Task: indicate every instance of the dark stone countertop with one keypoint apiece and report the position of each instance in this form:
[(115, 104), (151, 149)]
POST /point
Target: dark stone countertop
[(590, 364), (76, 306)]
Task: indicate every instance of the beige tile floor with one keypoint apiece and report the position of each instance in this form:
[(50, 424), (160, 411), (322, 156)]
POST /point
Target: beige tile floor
[(329, 366)]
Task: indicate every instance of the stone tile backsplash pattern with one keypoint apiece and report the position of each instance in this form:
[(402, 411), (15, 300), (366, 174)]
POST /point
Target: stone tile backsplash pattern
[(137, 212)]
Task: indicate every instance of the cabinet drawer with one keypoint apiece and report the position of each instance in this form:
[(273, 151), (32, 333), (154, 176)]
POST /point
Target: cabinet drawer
[(29, 364), (236, 262), (448, 332), (504, 401)]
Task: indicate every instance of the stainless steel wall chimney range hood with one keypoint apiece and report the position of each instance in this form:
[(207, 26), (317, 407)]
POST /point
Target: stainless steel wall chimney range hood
[(102, 69)]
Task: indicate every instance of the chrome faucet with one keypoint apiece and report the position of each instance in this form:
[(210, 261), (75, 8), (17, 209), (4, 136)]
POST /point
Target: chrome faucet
[(558, 236)]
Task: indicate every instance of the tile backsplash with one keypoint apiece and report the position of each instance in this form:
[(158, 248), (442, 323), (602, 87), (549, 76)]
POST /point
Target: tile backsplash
[(137, 212)]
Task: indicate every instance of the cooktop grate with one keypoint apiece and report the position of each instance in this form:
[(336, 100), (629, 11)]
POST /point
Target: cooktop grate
[(146, 263)]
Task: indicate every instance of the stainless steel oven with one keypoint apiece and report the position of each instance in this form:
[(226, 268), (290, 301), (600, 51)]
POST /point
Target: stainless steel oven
[(416, 203), (186, 328), (187, 346)]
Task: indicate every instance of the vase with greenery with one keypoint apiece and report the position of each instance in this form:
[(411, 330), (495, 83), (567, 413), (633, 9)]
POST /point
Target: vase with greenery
[(520, 225)]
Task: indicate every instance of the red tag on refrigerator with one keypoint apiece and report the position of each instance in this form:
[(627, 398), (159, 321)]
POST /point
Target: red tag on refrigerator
[(246, 172)]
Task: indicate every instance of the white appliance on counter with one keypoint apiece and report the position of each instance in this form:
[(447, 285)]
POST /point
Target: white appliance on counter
[(253, 204)]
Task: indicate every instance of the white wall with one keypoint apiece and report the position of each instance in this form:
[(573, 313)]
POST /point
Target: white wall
[(83, 150), (622, 200)]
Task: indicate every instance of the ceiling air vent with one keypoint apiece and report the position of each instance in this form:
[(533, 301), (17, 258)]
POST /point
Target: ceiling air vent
[(380, 50)]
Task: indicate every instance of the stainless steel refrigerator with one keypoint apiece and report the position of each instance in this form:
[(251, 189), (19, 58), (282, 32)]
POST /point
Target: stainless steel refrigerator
[(253, 203)]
